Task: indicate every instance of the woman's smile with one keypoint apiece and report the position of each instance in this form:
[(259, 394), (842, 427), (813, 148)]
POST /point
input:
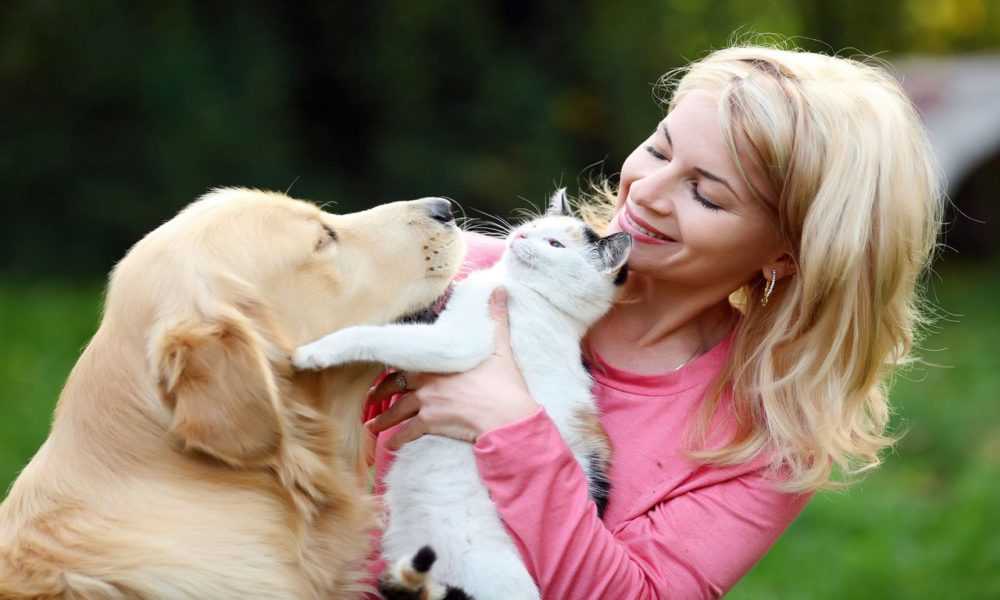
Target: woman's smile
[(641, 230)]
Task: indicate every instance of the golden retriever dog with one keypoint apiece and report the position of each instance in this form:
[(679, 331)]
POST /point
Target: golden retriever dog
[(186, 458)]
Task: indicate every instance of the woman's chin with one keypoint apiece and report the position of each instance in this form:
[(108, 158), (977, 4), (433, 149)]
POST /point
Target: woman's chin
[(651, 261)]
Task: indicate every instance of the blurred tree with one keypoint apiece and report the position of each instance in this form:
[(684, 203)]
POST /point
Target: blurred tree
[(120, 113)]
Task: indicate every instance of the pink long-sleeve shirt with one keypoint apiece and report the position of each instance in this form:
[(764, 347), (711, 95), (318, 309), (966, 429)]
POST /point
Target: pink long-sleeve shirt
[(673, 528)]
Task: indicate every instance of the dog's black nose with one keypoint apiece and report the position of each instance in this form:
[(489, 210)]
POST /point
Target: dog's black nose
[(439, 209)]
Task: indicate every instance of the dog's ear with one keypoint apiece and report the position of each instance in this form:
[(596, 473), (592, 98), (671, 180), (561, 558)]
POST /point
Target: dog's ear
[(215, 375)]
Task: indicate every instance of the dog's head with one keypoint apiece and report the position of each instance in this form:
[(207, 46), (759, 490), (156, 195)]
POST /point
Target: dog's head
[(222, 293)]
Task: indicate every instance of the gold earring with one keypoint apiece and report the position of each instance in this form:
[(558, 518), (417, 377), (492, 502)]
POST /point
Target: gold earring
[(769, 288)]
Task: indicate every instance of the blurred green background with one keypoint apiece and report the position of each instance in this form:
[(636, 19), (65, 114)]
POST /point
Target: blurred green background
[(117, 114)]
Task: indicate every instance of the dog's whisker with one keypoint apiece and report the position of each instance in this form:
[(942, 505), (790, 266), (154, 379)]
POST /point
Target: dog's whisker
[(460, 208)]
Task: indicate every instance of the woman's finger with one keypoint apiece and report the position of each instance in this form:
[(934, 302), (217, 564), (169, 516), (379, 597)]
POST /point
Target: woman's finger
[(402, 409), (389, 386), (499, 313), (411, 430), (367, 453)]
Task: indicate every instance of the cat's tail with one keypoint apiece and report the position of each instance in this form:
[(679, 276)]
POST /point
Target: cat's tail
[(409, 579)]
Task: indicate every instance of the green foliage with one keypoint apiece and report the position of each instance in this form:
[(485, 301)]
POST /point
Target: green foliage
[(120, 113), (922, 526)]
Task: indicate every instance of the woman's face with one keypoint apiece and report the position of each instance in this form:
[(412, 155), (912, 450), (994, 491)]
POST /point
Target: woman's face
[(692, 217)]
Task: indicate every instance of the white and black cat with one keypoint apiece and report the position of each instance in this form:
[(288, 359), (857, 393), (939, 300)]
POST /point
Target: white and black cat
[(560, 278)]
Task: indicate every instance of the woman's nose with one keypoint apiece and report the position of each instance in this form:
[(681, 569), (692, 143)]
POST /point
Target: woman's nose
[(654, 191)]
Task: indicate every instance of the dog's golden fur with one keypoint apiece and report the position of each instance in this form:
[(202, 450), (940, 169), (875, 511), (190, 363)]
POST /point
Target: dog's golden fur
[(186, 458)]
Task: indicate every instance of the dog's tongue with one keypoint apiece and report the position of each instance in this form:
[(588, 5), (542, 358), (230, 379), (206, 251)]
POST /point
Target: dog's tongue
[(442, 301)]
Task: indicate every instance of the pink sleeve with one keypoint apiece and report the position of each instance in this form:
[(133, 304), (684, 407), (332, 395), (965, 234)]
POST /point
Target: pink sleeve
[(696, 545)]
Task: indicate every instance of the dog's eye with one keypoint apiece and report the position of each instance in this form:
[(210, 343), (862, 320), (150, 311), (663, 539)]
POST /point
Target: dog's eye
[(556, 244), (331, 236)]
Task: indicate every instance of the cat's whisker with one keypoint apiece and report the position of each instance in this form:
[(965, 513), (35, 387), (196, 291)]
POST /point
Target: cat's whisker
[(505, 224), (527, 214), (484, 228), (530, 212), (501, 224)]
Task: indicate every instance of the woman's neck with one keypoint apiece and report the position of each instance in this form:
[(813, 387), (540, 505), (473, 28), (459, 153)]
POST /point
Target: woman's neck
[(660, 327)]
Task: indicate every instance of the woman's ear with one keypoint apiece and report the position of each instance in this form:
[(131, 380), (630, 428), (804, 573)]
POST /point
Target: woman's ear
[(215, 377), (782, 266)]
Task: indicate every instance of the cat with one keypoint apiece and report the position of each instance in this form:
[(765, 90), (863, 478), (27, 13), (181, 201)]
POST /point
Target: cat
[(560, 277)]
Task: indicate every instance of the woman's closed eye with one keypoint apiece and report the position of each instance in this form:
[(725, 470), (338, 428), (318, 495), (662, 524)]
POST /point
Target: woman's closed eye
[(656, 153), (694, 185), (701, 199)]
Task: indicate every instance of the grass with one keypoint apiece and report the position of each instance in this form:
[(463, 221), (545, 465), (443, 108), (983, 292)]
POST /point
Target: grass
[(922, 526), (44, 329)]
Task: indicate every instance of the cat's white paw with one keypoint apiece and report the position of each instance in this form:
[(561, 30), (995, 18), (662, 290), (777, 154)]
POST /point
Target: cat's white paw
[(311, 357)]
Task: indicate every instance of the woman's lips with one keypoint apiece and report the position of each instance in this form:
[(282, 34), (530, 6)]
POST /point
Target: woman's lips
[(641, 230)]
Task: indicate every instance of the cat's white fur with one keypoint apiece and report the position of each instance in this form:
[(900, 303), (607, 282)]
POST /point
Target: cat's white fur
[(434, 495)]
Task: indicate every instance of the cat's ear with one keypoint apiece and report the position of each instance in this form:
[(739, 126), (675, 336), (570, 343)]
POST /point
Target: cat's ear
[(558, 204), (613, 251)]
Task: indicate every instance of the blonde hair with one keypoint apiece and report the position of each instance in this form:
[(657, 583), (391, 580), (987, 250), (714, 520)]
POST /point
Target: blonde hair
[(858, 203)]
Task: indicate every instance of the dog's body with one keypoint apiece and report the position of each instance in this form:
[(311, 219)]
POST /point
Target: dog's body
[(186, 458)]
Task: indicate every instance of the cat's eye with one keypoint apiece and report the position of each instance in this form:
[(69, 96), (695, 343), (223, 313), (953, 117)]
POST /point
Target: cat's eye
[(556, 244)]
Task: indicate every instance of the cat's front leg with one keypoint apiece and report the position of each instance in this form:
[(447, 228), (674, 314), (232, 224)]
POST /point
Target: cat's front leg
[(345, 346), (423, 348)]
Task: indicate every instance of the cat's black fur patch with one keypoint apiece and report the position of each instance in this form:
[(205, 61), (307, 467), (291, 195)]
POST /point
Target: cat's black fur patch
[(395, 593), (390, 591), (424, 559), (622, 275), (456, 594), (422, 562), (591, 235), (600, 485)]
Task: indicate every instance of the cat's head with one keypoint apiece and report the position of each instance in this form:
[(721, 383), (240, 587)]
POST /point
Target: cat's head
[(564, 260)]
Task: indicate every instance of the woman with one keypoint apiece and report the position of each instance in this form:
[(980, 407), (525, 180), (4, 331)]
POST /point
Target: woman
[(783, 212)]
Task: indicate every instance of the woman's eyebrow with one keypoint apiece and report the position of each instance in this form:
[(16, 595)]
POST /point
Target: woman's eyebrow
[(702, 172), (708, 175)]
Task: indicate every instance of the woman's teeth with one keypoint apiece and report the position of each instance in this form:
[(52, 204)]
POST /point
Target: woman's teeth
[(647, 232)]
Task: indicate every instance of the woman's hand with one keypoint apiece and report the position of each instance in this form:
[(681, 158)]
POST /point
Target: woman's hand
[(464, 405)]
